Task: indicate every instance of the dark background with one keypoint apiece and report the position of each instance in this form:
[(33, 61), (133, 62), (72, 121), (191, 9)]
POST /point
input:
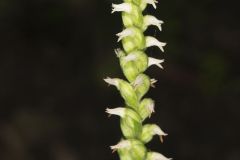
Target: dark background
[(55, 53)]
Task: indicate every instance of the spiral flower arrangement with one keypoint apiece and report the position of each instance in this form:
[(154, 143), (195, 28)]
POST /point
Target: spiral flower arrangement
[(134, 62)]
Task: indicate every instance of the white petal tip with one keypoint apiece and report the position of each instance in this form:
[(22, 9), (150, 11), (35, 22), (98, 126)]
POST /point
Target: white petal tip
[(152, 2), (154, 61), (111, 81), (122, 144)]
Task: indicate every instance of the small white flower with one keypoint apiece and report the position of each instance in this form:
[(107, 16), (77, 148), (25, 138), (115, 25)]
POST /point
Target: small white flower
[(151, 41), (111, 81), (151, 109), (119, 53), (125, 33), (154, 61), (116, 111), (151, 20), (158, 131), (152, 2), (138, 81), (157, 156), (120, 145), (123, 7)]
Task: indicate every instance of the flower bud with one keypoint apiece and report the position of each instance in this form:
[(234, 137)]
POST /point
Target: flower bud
[(141, 85), (133, 41), (129, 68), (126, 91), (141, 60), (134, 18), (133, 64), (156, 156), (149, 130), (130, 127), (133, 148), (130, 121), (146, 108)]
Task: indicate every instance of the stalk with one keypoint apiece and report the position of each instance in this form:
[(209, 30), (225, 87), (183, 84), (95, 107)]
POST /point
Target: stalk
[(134, 62)]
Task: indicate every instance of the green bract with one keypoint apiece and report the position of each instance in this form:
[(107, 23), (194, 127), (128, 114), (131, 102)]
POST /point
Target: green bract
[(134, 62)]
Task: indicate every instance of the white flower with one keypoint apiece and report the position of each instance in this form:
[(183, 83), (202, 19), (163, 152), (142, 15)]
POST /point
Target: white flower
[(111, 81), (156, 156), (158, 131), (123, 7), (151, 109), (120, 145), (151, 20), (152, 2), (138, 81), (125, 33), (154, 61), (151, 41), (116, 111)]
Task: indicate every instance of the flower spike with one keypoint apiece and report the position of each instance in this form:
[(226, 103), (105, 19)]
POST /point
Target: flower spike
[(134, 61)]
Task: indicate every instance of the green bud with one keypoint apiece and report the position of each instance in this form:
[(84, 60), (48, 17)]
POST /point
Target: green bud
[(156, 156), (141, 85), (133, 64), (126, 91), (134, 41), (141, 60), (129, 69), (149, 130), (143, 5), (123, 154), (146, 108), (134, 18), (130, 123), (130, 127)]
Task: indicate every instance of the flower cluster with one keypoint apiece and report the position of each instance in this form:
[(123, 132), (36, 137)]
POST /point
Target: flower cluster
[(134, 62)]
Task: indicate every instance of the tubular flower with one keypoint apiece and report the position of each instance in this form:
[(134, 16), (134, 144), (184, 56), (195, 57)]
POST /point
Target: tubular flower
[(134, 62)]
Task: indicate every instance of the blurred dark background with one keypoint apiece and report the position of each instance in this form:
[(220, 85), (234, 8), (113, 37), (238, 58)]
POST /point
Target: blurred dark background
[(55, 53)]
